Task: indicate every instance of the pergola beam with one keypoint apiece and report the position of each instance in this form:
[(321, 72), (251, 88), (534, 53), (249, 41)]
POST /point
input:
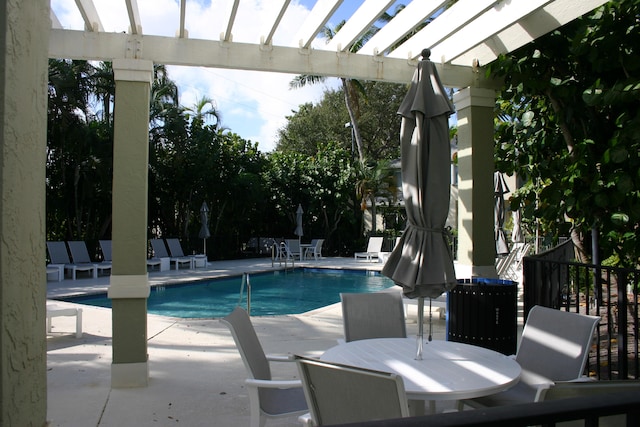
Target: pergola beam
[(89, 15), (244, 56), (401, 25), (316, 20), (134, 16), (276, 23), (356, 26)]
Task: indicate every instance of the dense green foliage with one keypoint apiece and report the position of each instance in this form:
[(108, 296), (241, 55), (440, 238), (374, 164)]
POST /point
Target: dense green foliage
[(192, 160), (569, 124)]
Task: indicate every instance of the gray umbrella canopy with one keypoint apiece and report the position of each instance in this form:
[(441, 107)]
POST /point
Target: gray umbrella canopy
[(422, 262), (298, 231), (500, 188), (204, 224)]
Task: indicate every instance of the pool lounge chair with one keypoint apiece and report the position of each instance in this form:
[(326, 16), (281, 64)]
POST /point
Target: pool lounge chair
[(160, 251), (374, 247), (105, 247), (267, 397), (60, 257), (175, 250), (80, 255)]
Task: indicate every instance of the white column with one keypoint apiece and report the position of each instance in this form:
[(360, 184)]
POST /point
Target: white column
[(476, 246), (129, 285)]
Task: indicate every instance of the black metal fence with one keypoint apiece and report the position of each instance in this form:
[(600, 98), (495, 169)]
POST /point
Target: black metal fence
[(552, 280), (586, 410)]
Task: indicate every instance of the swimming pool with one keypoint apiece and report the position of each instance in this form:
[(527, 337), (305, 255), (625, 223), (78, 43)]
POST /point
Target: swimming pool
[(273, 293)]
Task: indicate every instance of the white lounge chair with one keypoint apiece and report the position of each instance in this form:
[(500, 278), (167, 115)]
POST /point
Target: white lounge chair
[(80, 255), (60, 257), (554, 347), (267, 397), (373, 315), (338, 394), (160, 251), (374, 247)]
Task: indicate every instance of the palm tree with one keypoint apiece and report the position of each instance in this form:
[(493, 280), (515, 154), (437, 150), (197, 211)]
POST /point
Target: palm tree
[(352, 88), (376, 180), (204, 108)]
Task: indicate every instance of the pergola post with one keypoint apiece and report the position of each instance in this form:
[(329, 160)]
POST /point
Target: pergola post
[(476, 245), (23, 140), (129, 284)]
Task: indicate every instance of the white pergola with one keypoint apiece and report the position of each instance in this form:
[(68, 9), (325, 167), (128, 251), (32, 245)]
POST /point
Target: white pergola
[(461, 38), (469, 33)]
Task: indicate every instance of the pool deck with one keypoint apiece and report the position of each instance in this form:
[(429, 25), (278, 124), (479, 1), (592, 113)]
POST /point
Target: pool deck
[(196, 375)]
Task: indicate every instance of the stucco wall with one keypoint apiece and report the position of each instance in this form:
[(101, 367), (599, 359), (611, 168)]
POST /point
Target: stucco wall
[(23, 81)]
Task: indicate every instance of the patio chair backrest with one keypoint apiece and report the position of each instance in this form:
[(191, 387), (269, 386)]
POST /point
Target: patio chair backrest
[(105, 246), (555, 343), (175, 248), (248, 344), (159, 249), (338, 394), (58, 253), (79, 252), (373, 315), (375, 244)]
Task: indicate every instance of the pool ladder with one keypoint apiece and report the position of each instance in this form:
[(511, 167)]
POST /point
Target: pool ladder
[(246, 282)]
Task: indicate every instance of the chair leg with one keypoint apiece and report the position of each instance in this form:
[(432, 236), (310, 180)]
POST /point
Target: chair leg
[(79, 323)]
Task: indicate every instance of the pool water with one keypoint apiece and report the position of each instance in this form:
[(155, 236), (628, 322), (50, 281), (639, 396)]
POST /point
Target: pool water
[(275, 293)]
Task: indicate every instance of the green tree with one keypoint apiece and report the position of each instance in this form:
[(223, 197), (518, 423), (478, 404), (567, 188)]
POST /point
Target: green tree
[(375, 180), (79, 155), (570, 128), (352, 89)]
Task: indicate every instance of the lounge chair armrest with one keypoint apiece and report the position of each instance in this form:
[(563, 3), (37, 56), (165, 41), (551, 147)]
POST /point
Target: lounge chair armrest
[(280, 357), (273, 383)]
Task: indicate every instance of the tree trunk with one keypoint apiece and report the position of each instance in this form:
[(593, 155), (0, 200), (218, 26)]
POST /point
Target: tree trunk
[(352, 116)]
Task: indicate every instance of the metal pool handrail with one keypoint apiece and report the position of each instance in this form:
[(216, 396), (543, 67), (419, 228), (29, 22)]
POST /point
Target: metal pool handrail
[(245, 279)]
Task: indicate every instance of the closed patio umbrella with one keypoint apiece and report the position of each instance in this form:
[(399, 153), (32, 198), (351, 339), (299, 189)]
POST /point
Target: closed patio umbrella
[(500, 188), (422, 262), (298, 231), (204, 225)]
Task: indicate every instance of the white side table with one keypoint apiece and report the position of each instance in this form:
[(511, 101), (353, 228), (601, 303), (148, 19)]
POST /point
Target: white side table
[(199, 261), (56, 272), (165, 264)]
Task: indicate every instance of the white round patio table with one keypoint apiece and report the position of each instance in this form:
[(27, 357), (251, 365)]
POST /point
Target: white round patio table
[(448, 370)]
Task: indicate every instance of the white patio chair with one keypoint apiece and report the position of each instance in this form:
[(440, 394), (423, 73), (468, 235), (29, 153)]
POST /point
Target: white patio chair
[(292, 249), (315, 250), (554, 347), (374, 247), (267, 397), (338, 394), (373, 315)]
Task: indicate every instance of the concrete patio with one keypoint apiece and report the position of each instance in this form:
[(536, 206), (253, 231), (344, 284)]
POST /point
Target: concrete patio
[(196, 375)]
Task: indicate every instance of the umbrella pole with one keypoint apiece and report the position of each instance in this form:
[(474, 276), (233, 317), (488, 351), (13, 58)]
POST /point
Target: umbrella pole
[(430, 320), (420, 328)]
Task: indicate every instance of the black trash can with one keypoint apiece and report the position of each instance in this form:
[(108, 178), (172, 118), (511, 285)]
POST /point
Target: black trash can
[(483, 312)]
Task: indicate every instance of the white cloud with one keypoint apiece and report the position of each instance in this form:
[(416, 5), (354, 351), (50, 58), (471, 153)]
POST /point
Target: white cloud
[(253, 104)]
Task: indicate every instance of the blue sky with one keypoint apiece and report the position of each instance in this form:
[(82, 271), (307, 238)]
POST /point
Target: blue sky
[(252, 104)]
